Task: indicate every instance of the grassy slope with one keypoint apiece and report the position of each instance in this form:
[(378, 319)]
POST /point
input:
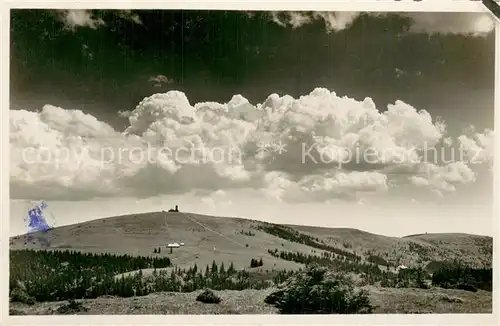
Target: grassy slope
[(139, 234), (387, 300), (411, 250)]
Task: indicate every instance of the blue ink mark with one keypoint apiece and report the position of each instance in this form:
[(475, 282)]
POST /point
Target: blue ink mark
[(37, 222)]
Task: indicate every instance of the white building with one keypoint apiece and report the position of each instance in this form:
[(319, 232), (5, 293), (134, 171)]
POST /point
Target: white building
[(400, 267), (173, 245)]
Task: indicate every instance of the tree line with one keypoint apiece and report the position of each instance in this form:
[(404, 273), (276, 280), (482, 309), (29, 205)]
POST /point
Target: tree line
[(56, 275), (292, 235)]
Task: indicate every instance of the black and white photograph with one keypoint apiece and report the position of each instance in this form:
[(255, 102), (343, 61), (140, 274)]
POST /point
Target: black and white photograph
[(238, 162)]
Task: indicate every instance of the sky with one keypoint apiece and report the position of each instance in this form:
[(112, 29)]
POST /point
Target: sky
[(406, 87)]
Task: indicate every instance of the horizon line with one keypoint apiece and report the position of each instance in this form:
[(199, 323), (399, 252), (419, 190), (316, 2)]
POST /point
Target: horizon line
[(251, 219)]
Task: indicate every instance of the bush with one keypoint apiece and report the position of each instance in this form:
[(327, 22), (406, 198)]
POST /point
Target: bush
[(19, 295), (467, 287), (247, 233), (447, 298), (377, 260), (208, 296), (317, 291), (274, 297), (15, 312), (256, 263), (72, 307)]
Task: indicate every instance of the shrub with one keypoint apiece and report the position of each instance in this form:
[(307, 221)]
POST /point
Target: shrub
[(15, 312), (467, 287), (388, 282), (208, 296), (71, 307), (19, 294), (317, 291), (377, 260), (256, 263), (247, 233), (274, 297), (447, 298)]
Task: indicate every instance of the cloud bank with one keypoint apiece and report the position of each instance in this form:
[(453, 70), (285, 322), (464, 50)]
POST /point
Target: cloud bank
[(314, 148), (474, 24)]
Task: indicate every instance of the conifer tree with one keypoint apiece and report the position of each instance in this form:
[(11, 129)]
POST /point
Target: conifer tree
[(195, 268), (231, 268), (214, 268)]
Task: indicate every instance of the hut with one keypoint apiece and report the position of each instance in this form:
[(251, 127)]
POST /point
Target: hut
[(400, 267), (172, 246)]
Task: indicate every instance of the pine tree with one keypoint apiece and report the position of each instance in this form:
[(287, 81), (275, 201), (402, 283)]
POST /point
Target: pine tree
[(231, 269), (214, 268), (195, 269)]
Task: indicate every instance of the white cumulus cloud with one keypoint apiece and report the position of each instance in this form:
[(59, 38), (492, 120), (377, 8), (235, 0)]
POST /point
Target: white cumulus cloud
[(81, 18), (332, 147), (74, 18)]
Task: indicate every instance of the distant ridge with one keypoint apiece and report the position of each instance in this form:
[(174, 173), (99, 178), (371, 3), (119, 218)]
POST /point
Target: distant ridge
[(450, 233)]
